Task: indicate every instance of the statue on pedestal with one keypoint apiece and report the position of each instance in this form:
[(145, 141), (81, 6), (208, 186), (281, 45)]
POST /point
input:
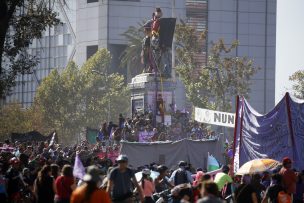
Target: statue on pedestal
[(157, 44)]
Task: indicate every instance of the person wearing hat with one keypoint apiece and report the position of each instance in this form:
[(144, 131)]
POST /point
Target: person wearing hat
[(181, 175), (89, 192), (120, 182), (289, 176), (147, 185)]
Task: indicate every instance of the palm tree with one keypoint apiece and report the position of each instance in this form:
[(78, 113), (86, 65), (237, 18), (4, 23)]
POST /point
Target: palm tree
[(130, 57)]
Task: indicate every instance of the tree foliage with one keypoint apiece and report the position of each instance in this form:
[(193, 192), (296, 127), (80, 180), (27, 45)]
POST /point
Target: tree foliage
[(79, 97), (213, 84), (298, 87), (13, 119), (131, 55), (21, 21)]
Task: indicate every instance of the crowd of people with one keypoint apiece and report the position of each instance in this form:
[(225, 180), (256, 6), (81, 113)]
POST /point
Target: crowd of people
[(43, 172), (130, 129)]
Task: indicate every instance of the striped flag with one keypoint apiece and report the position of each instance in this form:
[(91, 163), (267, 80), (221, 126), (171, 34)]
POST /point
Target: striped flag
[(212, 163)]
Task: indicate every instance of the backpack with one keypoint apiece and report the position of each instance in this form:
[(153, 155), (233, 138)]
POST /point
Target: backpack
[(283, 197), (180, 177)]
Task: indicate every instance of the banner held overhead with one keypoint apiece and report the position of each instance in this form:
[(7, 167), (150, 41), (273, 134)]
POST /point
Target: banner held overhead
[(214, 117)]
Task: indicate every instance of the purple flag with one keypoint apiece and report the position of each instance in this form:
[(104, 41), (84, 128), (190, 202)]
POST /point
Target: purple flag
[(274, 135), (78, 170)]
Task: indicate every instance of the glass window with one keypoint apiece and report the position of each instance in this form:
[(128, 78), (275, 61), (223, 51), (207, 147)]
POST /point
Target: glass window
[(55, 62), (91, 1), (91, 50), (52, 64), (65, 28), (64, 61)]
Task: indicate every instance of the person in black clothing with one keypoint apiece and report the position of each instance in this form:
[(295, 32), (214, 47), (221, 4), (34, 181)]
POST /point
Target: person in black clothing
[(273, 190), (245, 193), (14, 183), (257, 185), (121, 121), (162, 182), (104, 131), (44, 187)]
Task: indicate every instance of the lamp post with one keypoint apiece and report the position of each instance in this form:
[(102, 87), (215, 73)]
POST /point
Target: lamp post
[(109, 101)]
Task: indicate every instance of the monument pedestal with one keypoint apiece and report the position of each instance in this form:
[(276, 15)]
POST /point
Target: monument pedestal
[(151, 93)]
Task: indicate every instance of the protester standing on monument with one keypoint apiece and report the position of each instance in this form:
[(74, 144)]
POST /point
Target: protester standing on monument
[(289, 176), (120, 182)]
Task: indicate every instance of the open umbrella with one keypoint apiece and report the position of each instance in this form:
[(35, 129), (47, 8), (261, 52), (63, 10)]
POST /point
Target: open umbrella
[(153, 175), (257, 166)]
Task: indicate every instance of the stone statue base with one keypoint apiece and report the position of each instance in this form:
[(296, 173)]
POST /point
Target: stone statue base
[(151, 93)]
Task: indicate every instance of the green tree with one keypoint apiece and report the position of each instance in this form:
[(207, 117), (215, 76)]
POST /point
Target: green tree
[(298, 87), (13, 119), (80, 97), (130, 57), (21, 21), (213, 84)]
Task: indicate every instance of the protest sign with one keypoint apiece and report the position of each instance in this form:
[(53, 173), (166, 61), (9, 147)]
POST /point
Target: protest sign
[(214, 117)]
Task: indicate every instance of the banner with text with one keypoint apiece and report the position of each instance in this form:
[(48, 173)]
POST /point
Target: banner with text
[(214, 117)]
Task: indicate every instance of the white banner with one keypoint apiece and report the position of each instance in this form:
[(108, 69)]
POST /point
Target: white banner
[(214, 117)]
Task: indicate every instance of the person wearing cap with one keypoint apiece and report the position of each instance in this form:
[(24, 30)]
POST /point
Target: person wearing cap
[(120, 182), (181, 175), (289, 176), (222, 178), (89, 192), (147, 185)]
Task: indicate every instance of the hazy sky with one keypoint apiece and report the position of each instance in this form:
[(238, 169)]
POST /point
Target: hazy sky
[(290, 43)]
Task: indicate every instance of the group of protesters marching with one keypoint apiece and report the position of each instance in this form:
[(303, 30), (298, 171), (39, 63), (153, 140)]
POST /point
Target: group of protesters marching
[(46, 172)]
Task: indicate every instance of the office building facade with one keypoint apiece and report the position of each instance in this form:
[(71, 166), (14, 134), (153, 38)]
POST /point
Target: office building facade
[(54, 50), (100, 24)]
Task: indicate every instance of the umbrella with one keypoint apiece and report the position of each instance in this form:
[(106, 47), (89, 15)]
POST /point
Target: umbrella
[(153, 175), (258, 165)]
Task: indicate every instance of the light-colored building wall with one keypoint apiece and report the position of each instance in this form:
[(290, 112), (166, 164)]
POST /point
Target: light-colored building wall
[(53, 50), (101, 23), (253, 23)]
